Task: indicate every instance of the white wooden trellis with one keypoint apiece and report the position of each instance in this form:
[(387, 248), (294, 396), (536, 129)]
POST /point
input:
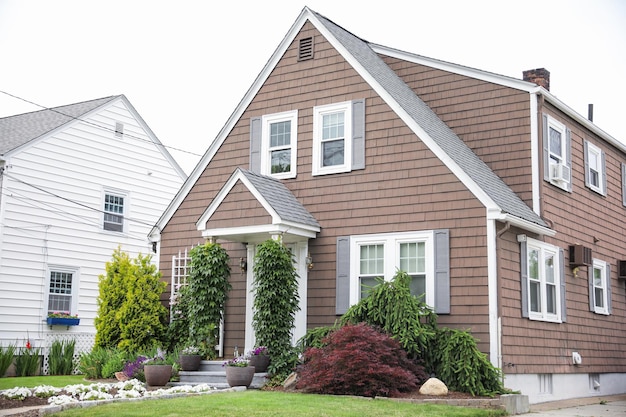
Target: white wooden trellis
[(181, 268)]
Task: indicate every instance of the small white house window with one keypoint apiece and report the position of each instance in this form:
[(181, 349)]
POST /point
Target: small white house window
[(114, 209), (279, 144), (595, 168), (62, 286), (556, 152), (598, 287), (332, 138)]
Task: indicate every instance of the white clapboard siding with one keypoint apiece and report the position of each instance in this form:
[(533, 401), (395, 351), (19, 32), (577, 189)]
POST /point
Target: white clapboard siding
[(42, 225)]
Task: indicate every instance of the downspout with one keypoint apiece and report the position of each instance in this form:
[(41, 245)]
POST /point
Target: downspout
[(505, 229), (492, 292)]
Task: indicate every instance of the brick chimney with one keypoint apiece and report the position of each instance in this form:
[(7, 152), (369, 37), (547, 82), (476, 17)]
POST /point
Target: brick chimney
[(539, 76)]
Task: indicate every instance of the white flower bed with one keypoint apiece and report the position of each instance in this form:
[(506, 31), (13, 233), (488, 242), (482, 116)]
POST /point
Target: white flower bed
[(99, 391)]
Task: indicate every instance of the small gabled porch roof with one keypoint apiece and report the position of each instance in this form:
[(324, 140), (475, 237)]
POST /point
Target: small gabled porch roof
[(287, 215)]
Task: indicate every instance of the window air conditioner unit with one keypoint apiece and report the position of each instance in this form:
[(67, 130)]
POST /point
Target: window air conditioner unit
[(580, 255), (560, 173), (621, 269)]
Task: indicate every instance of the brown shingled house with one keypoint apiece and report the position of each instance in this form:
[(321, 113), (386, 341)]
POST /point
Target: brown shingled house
[(505, 206)]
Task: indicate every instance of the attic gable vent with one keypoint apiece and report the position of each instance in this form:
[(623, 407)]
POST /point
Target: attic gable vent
[(306, 49), (119, 129)]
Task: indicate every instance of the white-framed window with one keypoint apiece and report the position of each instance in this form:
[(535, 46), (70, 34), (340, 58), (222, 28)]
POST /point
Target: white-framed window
[(595, 168), (557, 153), (542, 275), (279, 144), (62, 289), (114, 210), (598, 286), (332, 138), (382, 255)]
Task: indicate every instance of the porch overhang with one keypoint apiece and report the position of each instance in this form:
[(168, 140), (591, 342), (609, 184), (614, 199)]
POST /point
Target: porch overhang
[(257, 234)]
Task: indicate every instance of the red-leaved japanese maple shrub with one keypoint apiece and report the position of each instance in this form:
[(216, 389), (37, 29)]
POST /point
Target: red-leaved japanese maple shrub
[(359, 360)]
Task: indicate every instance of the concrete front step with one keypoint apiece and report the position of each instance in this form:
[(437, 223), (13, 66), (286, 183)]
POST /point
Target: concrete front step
[(213, 374)]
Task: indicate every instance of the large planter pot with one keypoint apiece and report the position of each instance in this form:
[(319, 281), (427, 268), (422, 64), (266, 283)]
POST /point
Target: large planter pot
[(157, 375), (260, 362), (237, 376), (190, 362)]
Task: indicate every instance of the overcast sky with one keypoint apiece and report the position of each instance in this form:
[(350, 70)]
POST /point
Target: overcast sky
[(186, 64)]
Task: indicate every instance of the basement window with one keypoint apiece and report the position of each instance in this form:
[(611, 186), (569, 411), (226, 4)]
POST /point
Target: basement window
[(305, 50)]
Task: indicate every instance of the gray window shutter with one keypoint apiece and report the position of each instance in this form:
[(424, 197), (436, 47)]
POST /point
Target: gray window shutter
[(603, 174), (255, 144), (590, 279), (609, 305), (624, 184), (546, 152), (524, 277), (442, 271), (562, 274), (342, 295), (586, 156), (568, 155), (358, 134)]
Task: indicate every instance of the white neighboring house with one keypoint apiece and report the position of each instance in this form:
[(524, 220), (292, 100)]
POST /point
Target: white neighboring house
[(76, 182)]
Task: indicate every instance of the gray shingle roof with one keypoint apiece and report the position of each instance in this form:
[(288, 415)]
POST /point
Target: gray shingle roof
[(280, 198), (17, 130), (424, 116)]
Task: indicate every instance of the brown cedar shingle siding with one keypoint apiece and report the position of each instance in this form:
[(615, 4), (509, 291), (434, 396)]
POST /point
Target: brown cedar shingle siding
[(403, 187)]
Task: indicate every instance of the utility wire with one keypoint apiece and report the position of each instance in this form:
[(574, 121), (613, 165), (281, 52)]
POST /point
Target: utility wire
[(107, 128)]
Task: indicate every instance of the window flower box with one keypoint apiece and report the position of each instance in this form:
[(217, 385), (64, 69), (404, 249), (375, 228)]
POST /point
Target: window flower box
[(62, 321)]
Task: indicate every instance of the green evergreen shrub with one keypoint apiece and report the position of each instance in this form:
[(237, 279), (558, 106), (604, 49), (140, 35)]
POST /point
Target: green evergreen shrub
[(276, 302)]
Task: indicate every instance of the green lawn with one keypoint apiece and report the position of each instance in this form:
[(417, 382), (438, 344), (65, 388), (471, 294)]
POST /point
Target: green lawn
[(32, 381), (251, 403), (254, 403)]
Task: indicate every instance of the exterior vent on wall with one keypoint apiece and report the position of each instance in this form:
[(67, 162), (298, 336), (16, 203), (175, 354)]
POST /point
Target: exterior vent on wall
[(119, 129), (560, 173), (306, 49), (621, 269), (580, 255)]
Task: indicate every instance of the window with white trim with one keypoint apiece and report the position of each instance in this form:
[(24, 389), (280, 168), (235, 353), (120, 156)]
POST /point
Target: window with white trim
[(543, 275), (557, 153), (332, 138), (595, 171), (279, 144), (62, 286), (114, 211), (599, 287), (381, 256)]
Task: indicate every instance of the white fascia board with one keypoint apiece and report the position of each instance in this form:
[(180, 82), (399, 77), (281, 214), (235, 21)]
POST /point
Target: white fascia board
[(535, 153), (255, 233), (521, 223), (233, 119), (455, 68)]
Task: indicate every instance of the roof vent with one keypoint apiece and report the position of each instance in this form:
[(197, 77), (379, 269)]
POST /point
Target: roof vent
[(306, 49), (119, 129)]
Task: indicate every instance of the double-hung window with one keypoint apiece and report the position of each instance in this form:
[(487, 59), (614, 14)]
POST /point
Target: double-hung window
[(381, 256), (62, 286), (599, 287), (279, 144), (332, 133), (595, 168), (114, 210), (543, 285), (557, 153)]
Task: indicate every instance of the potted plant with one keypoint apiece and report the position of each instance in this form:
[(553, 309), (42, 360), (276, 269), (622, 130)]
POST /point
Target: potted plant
[(62, 318), (157, 370), (259, 358), (190, 358), (239, 372)]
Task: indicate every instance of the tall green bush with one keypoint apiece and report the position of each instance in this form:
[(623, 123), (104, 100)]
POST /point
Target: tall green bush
[(6, 358), (202, 303), (130, 313), (276, 302), (61, 358)]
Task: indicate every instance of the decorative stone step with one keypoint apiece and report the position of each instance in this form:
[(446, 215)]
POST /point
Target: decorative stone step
[(215, 378)]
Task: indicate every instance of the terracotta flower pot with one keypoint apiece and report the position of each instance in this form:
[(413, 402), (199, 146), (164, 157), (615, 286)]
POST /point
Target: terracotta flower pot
[(190, 362), (239, 375), (157, 375), (260, 362)]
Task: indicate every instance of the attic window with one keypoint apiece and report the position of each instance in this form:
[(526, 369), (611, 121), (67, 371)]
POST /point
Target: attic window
[(306, 49), (119, 129)]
